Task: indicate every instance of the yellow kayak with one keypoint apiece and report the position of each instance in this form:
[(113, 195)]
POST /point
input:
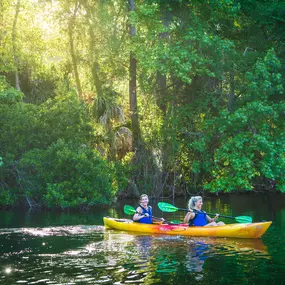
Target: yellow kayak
[(253, 230)]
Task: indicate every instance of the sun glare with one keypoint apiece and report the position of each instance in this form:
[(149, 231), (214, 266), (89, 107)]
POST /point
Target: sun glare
[(8, 270)]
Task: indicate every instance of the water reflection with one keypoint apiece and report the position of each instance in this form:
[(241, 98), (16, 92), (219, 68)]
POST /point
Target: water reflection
[(38, 249), (196, 256), (113, 257), (144, 244), (165, 254)]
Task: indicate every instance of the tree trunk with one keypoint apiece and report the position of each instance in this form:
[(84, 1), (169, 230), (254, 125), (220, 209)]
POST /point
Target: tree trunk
[(161, 92), (232, 92), (95, 65), (14, 39), (133, 87), (92, 51), (159, 172), (161, 78), (72, 50)]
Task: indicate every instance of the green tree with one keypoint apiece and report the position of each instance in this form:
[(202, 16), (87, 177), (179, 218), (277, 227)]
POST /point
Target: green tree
[(66, 175)]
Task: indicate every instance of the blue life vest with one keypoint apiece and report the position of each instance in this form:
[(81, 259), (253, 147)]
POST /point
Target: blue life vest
[(200, 218), (146, 220)]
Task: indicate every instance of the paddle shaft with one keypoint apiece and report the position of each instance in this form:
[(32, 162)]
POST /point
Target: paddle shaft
[(166, 207), (145, 215), (223, 216), (156, 218), (159, 219), (211, 214), (130, 210)]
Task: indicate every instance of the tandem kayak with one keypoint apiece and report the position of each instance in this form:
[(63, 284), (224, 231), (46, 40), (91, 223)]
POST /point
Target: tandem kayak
[(253, 230)]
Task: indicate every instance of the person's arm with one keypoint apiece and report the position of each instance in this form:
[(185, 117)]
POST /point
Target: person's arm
[(210, 220), (189, 216), (138, 215)]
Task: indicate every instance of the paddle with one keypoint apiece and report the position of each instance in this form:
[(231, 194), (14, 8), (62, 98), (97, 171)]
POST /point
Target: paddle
[(166, 207), (129, 210)]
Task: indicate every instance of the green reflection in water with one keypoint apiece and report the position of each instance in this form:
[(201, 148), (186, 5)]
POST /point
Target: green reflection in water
[(39, 247)]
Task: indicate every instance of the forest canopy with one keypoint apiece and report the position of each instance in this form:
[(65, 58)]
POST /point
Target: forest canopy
[(113, 98)]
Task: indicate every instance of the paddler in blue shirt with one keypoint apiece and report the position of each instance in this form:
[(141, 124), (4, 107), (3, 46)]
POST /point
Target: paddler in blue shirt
[(144, 212), (197, 217)]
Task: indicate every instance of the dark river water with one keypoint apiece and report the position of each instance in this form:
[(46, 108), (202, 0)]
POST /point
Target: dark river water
[(42, 247)]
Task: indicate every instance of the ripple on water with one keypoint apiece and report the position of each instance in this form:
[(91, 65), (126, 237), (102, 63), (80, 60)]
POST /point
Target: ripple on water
[(134, 281), (54, 231), (83, 276), (103, 281), (41, 281), (121, 270)]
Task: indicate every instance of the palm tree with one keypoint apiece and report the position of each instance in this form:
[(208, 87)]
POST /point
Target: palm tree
[(108, 112)]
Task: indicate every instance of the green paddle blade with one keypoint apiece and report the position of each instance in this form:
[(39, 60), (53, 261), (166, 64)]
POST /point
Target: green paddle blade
[(165, 207), (243, 219), (129, 210), (175, 222)]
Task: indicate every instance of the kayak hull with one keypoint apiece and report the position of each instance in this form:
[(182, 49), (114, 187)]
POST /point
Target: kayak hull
[(238, 230)]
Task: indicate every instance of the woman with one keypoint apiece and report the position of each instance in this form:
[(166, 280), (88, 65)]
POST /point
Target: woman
[(197, 217), (144, 212)]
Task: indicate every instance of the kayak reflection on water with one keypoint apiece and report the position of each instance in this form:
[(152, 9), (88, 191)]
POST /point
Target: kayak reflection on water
[(196, 256), (144, 245), (166, 254), (201, 249)]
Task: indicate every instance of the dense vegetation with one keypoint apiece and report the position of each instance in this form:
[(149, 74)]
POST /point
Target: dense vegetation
[(109, 98)]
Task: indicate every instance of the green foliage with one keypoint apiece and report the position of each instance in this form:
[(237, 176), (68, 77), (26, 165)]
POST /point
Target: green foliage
[(64, 117), (251, 143), (210, 91), (7, 197), (8, 94), (51, 172), (67, 175)]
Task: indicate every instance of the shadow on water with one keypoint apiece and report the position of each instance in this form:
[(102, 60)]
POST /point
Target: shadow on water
[(40, 247), (41, 218)]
